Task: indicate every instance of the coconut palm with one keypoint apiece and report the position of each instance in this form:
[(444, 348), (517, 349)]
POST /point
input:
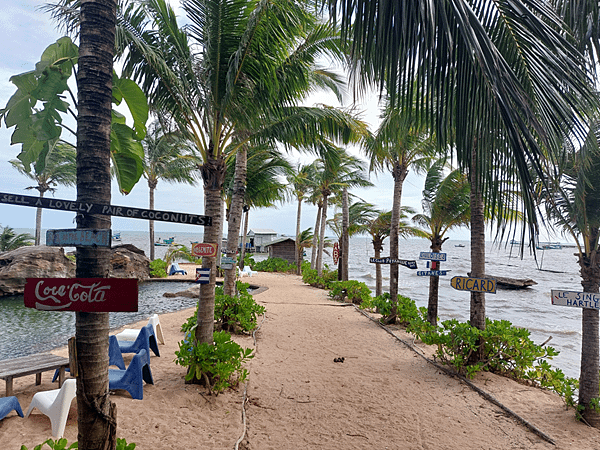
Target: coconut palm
[(58, 168), (9, 240), (167, 156), (446, 201), (303, 241)]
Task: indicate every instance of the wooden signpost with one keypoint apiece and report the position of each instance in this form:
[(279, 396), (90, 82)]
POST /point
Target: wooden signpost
[(575, 299), (79, 237), (200, 249), (82, 294), (432, 256), (403, 262), (433, 264), (487, 285)]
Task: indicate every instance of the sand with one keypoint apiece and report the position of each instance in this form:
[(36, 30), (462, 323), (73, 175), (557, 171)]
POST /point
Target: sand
[(382, 396)]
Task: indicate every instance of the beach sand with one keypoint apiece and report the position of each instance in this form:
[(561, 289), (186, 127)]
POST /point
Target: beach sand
[(382, 396)]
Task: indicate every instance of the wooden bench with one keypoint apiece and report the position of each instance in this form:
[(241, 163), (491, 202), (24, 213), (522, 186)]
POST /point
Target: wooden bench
[(29, 365)]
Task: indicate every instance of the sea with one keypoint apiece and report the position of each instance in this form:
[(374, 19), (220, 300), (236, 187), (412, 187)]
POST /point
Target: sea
[(26, 331)]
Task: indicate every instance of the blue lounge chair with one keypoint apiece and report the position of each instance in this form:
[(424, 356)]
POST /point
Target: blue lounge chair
[(7, 404), (146, 339), (132, 379), (175, 269), (115, 357)]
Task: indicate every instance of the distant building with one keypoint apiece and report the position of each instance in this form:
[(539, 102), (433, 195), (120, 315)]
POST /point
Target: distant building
[(257, 238), (284, 248)]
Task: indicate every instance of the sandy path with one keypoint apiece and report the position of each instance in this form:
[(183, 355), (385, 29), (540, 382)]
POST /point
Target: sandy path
[(382, 396)]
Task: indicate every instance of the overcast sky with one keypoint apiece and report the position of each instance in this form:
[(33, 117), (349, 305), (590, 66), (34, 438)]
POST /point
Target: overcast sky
[(25, 32)]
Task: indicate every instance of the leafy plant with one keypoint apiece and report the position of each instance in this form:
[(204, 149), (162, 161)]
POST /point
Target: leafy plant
[(274, 265), (158, 268), (238, 312), (311, 277), (218, 365), (357, 292), (180, 251), (381, 304), (61, 444)]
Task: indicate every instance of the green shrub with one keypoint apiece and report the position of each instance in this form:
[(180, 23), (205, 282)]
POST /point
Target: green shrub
[(219, 366), (61, 444), (232, 313), (158, 268), (357, 292), (274, 265), (311, 277), (381, 304), (248, 260)]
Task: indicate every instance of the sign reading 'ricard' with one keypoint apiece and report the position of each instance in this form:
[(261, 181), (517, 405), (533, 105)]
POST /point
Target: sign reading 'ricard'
[(576, 299), (105, 210)]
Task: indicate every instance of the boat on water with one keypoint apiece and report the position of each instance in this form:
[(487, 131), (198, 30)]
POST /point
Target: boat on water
[(549, 246), (116, 237), (459, 245), (165, 242)]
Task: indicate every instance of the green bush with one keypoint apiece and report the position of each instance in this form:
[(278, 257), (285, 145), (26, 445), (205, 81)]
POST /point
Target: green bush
[(61, 444), (219, 366), (158, 268), (248, 260), (232, 313), (355, 291), (311, 277), (274, 265)]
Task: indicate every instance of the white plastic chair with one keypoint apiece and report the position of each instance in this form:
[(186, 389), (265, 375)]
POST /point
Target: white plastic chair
[(56, 404), (130, 334), (246, 272)]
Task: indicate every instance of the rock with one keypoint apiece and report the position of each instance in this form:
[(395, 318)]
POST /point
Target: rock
[(32, 262), (127, 261), (192, 292)]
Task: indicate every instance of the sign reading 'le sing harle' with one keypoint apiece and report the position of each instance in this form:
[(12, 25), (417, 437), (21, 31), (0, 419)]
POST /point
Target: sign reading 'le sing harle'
[(576, 299), (402, 262), (105, 210), (82, 294)]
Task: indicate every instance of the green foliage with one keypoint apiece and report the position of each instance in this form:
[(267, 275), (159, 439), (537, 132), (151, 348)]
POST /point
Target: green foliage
[(555, 380), (311, 276), (180, 251), (248, 260), (381, 304), (357, 292), (238, 312), (158, 268), (9, 240), (61, 444), (219, 365), (274, 265)]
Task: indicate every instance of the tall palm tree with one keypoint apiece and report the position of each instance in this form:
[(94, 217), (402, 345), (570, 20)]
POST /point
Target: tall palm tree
[(58, 169), (96, 414), (400, 144), (445, 206), (9, 240), (167, 156)]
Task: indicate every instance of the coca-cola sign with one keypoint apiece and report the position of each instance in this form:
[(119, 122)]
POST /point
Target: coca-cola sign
[(82, 294)]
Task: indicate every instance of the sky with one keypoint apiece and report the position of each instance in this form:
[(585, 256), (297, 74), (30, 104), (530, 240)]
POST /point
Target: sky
[(25, 32)]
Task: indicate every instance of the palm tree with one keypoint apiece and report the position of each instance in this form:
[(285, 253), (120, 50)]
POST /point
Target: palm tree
[(58, 168), (400, 144), (166, 156), (303, 241), (446, 206), (9, 240), (300, 179)]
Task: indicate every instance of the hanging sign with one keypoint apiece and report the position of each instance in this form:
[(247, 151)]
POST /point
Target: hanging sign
[(82, 294), (105, 210), (432, 256), (200, 249), (431, 273), (227, 262), (336, 253), (202, 276), (575, 299), (486, 285), (403, 262), (79, 237)]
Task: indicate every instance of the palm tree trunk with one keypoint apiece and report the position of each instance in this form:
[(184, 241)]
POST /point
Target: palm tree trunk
[(345, 244), (38, 223), (96, 415), (589, 376), (477, 310), (377, 247), (151, 222), (213, 174), (298, 254), (399, 174), (235, 218), (322, 236), (244, 234), (315, 243), (434, 285)]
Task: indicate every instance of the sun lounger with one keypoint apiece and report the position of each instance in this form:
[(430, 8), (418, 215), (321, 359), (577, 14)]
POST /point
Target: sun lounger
[(7, 404), (175, 269)]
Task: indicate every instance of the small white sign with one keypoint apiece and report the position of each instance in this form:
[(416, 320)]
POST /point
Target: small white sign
[(432, 256), (576, 299)]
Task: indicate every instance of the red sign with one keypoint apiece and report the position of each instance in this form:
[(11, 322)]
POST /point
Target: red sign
[(202, 249), (82, 294), (336, 253)]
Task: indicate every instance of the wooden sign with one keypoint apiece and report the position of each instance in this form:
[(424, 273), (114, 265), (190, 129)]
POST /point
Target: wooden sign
[(82, 294), (336, 253), (200, 249), (431, 273), (105, 210), (403, 262), (575, 299), (486, 285), (79, 237), (202, 276), (227, 262), (432, 256)]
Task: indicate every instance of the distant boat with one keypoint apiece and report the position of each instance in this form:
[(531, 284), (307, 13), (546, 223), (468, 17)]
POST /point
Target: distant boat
[(165, 242), (459, 245), (116, 237), (549, 246)]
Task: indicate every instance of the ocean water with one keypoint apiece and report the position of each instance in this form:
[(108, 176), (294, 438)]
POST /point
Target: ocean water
[(530, 308)]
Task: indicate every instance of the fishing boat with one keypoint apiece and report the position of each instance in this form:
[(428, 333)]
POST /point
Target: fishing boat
[(116, 237), (165, 242), (459, 245), (549, 246)]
